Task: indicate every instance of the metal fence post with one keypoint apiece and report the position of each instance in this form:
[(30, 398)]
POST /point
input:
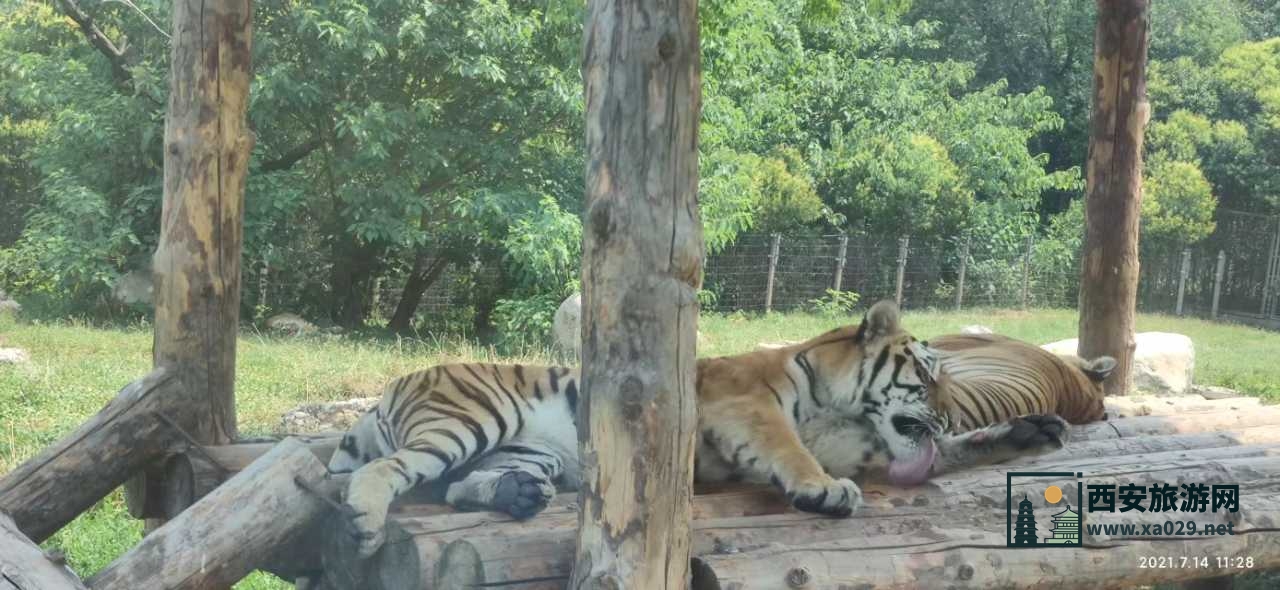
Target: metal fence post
[(773, 268), (1026, 270), (1273, 272), (1182, 279), (902, 268), (840, 261), (1217, 283), (964, 266)]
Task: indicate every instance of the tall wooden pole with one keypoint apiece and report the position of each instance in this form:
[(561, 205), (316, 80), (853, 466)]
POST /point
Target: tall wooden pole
[(197, 262), (642, 262), (1109, 270)]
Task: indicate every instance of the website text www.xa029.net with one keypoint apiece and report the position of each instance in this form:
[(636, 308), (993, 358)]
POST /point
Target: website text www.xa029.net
[(1169, 528)]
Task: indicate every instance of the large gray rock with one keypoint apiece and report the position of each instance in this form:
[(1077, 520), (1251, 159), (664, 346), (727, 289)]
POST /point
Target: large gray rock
[(13, 356), (8, 305), (566, 325), (290, 323), (1163, 363), (133, 287), (325, 417)]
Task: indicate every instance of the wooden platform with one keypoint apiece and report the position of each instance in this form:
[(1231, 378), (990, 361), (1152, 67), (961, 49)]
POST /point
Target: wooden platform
[(950, 532)]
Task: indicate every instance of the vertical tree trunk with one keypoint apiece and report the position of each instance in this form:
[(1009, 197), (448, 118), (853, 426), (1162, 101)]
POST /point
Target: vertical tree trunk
[(1109, 269), (197, 262), (422, 276), (642, 259)]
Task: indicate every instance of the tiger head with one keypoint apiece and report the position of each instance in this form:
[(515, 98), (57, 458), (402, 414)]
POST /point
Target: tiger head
[(895, 381)]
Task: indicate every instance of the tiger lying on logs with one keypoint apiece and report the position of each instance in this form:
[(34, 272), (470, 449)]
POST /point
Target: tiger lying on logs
[(806, 417)]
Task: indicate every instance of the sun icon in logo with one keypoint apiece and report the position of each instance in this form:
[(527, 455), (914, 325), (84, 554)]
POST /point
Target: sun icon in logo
[(1053, 494)]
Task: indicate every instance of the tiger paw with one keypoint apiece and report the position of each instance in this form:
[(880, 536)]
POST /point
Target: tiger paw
[(835, 497), (1034, 434), (521, 494), (366, 527)]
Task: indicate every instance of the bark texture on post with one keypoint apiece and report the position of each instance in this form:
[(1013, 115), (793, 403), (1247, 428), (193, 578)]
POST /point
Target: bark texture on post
[(642, 263), (197, 261), (49, 490), (1109, 269)]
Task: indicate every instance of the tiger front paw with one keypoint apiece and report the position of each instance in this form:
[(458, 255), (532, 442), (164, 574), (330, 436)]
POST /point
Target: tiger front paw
[(1034, 434), (835, 497), (366, 525)]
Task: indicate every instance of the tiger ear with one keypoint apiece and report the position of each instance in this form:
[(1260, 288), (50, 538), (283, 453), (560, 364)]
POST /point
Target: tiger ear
[(1098, 369), (881, 320)]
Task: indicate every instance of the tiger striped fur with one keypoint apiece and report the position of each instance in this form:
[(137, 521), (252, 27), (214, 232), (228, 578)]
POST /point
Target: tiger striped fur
[(994, 378), (806, 417)]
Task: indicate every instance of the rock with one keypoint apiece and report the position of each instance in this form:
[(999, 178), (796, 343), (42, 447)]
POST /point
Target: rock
[(290, 323), (1215, 392), (566, 325), (775, 345), (1163, 363), (8, 305), (13, 356), (329, 416), (133, 287), (976, 329)]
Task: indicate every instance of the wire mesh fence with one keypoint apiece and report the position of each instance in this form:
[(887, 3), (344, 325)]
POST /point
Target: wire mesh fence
[(1235, 271)]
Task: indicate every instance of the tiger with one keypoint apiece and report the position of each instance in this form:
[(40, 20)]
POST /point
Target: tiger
[(807, 418), (994, 378)]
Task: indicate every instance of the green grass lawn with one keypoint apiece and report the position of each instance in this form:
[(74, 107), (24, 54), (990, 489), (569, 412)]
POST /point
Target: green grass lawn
[(75, 369)]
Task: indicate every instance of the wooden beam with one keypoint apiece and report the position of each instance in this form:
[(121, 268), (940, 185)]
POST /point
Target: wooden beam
[(237, 528), (24, 566), (642, 256), (490, 548), (1113, 192), (70, 476), (197, 261)]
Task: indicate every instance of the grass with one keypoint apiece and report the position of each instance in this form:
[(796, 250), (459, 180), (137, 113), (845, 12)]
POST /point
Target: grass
[(75, 369)]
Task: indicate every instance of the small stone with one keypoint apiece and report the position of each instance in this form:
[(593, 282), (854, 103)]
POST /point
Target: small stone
[(290, 323), (976, 329), (13, 356), (325, 417)]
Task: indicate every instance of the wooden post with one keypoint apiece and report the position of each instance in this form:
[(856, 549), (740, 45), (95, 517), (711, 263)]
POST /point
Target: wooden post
[(1183, 272), (70, 476), (774, 247), (197, 261), (964, 266), (642, 266), (1026, 270), (903, 242), (1109, 265), (841, 258), (1217, 282), (24, 566), (234, 530)]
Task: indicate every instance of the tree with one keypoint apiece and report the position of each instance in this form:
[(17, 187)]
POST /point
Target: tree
[(642, 266), (1109, 266)]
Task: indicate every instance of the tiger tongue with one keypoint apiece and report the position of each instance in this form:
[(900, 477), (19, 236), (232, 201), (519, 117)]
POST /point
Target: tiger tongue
[(914, 470)]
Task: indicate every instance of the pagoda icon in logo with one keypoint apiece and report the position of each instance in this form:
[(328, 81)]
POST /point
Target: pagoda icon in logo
[(1066, 528), (1025, 529)]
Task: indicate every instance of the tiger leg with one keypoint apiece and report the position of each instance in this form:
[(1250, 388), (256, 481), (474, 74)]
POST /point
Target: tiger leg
[(375, 485), (760, 442), (517, 479), (1025, 436)]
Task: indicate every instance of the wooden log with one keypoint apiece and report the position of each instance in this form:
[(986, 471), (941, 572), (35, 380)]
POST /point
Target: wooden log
[(1113, 191), (24, 566), (52, 488), (642, 257), (1178, 424), (234, 530), (1122, 447), (197, 260), (422, 550)]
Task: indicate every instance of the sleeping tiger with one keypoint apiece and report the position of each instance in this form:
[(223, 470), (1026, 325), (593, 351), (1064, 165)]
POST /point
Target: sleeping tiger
[(994, 378), (806, 417)]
